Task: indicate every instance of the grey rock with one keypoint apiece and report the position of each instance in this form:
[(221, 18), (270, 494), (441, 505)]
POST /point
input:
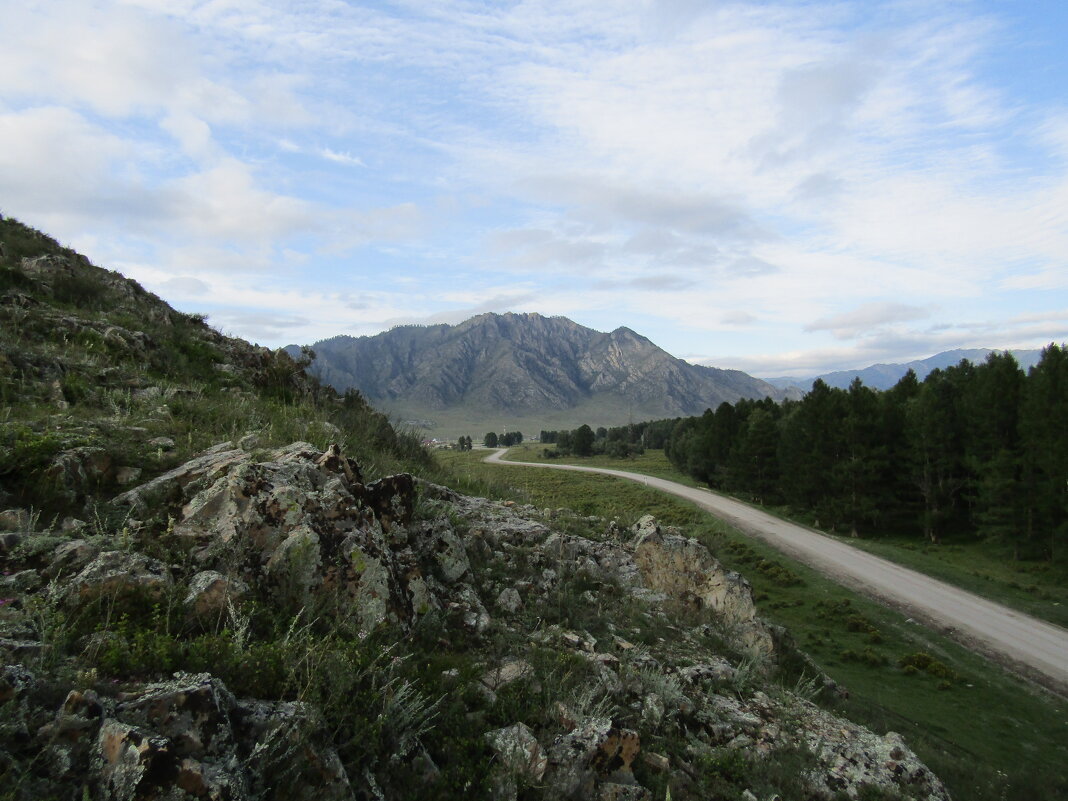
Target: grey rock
[(595, 751), (71, 557), (210, 592), (518, 751), (127, 475), (509, 600), (168, 487), (23, 581), (119, 572), (509, 671)]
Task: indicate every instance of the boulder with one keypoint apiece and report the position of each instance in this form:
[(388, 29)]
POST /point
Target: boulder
[(685, 570), (15, 681), (17, 520), (192, 711), (119, 573), (518, 752), (74, 471), (210, 592), (168, 487), (594, 753), (509, 600), (71, 557)]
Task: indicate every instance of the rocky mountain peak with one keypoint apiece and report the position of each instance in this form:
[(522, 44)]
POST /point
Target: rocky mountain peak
[(525, 364)]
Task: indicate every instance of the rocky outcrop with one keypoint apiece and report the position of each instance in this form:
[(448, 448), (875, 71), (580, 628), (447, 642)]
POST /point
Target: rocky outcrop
[(589, 624), (685, 570), (190, 738), (117, 573)]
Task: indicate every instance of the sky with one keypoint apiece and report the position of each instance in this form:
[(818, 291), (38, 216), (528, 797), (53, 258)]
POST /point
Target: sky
[(785, 188)]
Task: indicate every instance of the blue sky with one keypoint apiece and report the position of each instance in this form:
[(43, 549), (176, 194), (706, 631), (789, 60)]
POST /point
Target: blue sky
[(785, 188)]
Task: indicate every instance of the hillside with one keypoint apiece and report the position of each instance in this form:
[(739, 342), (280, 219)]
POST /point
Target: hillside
[(884, 376), (222, 580), (525, 366)]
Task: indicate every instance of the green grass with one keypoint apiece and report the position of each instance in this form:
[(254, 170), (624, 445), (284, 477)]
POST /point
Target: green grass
[(988, 734), (1037, 588)]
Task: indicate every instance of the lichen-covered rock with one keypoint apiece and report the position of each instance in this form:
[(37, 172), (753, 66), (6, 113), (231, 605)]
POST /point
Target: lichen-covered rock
[(210, 592), (509, 600), (21, 582), (127, 475), (134, 763), (192, 711), (114, 573), (450, 556), (190, 738), (301, 524), (684, 569), (71, 557), (75, 470), (518, 751), (285, 760), (510, 670), (19, 520), (168, 487), (852, 757), (595, 752), (469, 605), (15, 681)]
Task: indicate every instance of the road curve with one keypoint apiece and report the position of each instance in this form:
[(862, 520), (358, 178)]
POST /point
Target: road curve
[(1034, 647)]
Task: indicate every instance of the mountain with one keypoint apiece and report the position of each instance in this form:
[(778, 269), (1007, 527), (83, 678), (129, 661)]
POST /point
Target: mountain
[(525, 365), (884, 376)]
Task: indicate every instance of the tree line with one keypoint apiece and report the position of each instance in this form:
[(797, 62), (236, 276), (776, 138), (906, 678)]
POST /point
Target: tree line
[(972, 450), (506, 440), (619, 442)]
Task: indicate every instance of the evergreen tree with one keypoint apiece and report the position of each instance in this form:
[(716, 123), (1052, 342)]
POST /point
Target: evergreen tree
[(1044, 433), (582, 439), (490, 440), (858, 471), (936, 449), (993, 452), (755, 461)]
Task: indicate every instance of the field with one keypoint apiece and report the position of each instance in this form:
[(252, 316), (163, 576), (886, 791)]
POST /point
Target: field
[(986, 733)]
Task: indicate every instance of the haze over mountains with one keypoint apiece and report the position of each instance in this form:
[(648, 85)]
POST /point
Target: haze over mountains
[(527, 367), (884, 376)]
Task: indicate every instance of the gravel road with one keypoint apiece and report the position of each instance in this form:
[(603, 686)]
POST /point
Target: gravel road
[(1033, 647)]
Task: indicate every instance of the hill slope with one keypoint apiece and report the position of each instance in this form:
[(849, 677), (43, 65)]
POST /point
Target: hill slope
[(525, 365)]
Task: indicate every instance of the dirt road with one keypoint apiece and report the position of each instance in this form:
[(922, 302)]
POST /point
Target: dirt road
[(1034, 647)]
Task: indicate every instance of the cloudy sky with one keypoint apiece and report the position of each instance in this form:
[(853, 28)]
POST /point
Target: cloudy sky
[(784, 187)]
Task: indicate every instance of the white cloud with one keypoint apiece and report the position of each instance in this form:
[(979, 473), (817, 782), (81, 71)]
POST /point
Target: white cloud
[(863, 319), (342, 158), (702, 167)]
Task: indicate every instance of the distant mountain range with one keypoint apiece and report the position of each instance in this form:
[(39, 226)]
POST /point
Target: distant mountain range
[(504, 366), (884, 376)]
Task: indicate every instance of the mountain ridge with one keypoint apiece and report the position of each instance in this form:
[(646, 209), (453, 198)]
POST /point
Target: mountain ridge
[(885, 375), (526, 364)]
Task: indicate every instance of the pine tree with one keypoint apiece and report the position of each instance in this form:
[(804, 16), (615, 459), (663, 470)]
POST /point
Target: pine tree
[(1044, 433)]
